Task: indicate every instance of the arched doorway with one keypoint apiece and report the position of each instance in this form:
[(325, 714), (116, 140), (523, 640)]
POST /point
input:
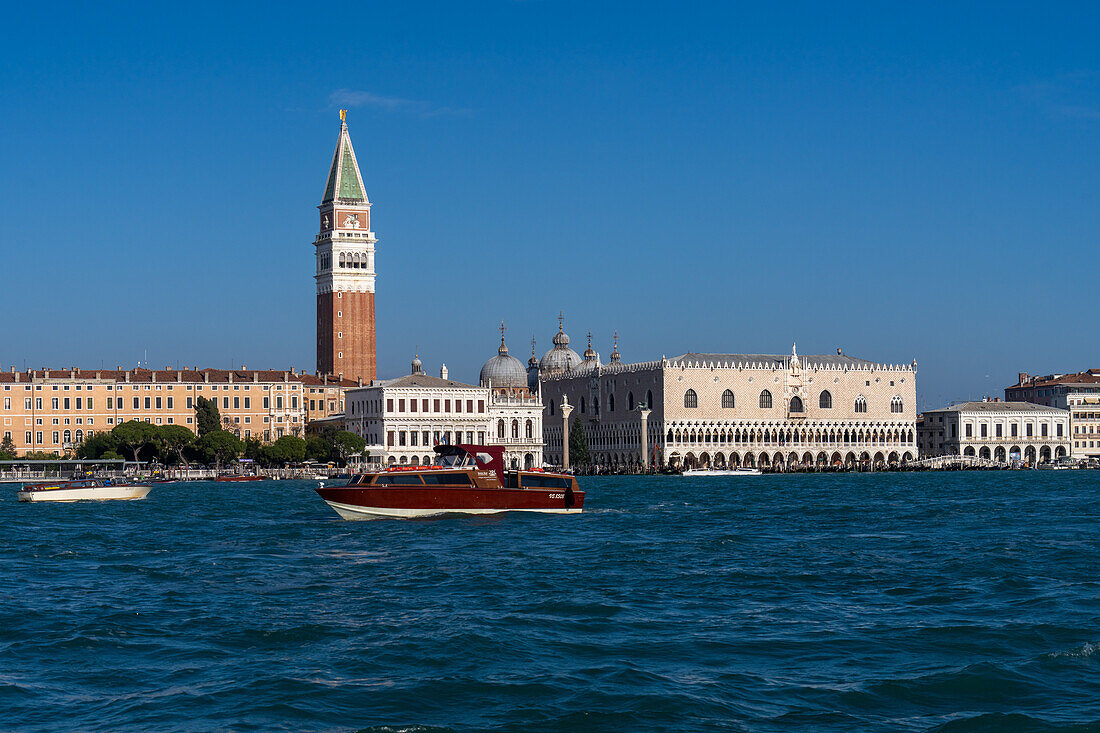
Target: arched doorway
[(985, 454), (1029, 455)]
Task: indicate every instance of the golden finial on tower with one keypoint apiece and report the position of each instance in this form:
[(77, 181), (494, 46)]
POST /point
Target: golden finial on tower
[(343, 115)]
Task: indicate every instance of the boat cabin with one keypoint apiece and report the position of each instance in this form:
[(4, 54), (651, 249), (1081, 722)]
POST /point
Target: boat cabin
[(476, 466)]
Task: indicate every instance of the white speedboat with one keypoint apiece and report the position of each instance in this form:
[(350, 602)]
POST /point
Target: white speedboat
[(723, 472), (83, 490)]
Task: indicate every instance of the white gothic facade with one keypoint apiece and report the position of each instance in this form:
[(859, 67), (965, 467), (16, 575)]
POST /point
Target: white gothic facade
[(722, 410)]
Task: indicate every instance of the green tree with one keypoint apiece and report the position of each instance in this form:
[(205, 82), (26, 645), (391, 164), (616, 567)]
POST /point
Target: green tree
[(175, 440), (287, 449), (254, 449), (320, 448), (40, 455), (348, 444), (221, 446), (98, 446), (7, 449), (207, 417), (133, 435), (578, 444)]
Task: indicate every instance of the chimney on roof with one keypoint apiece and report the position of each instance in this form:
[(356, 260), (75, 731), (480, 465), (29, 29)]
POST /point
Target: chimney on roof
[(359, 381), (127, 375), (255, 377), (325, 378), (286, 376), (45, 373), (152, 376), (206, 377), (17, 374), (341, 377), (244, 368), (72, 373), (231, 377)]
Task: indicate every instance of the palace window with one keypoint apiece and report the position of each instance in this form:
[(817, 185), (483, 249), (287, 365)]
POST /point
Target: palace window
[(896, 405), (825, 401), (796, 404), (766, 399), (861, 404), (630, 401), (611, 403), (691, 399), (728, 399), (500, 428)]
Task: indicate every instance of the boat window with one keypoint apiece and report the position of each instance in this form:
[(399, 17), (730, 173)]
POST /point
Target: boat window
[(452, 460), (546, 482), (398, 479), (448, 479)]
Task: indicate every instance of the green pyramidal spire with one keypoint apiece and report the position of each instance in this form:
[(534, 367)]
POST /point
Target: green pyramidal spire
[(344, 179)]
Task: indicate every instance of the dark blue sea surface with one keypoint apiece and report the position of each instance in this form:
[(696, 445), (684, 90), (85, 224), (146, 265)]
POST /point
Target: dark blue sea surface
[(882, 602)]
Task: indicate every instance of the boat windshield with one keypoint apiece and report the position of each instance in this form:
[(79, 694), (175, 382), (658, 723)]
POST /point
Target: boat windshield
[(454, 460)]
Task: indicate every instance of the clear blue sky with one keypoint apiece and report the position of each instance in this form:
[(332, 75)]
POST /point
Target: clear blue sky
[(903, 181)]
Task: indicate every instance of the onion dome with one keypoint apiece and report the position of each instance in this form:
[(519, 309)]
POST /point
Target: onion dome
[(589, 353), (503, 370), (561, 358)]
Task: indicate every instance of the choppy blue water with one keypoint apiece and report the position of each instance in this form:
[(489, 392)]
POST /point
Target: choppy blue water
[(954, 602)]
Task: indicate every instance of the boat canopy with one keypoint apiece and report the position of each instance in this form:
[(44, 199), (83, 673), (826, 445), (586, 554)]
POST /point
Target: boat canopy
[(486, 457)]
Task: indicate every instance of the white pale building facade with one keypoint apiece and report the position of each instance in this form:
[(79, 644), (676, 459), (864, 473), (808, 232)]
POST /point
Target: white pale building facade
[(1002, 432), (403, 419), (726, 410)]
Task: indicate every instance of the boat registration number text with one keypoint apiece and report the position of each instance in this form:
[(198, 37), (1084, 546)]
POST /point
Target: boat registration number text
[(557, 496)]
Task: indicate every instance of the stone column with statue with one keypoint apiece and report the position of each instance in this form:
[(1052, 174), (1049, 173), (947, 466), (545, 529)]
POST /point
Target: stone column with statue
[(566, 411), (644, 411)]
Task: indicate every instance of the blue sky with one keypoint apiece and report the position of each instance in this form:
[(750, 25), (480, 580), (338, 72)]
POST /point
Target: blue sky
[(915, 181)]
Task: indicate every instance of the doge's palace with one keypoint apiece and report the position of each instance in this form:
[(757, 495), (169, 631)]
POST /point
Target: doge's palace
[(718, 410)]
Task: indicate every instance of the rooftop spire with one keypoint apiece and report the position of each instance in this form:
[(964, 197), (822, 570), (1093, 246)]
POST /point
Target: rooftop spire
[(503, 350), (344, 180)]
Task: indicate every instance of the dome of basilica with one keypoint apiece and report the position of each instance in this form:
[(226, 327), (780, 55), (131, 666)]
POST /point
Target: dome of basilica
[(503, 370), (560, 358)]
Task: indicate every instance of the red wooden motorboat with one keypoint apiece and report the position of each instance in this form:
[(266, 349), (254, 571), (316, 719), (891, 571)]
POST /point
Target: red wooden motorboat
[(467, 479)]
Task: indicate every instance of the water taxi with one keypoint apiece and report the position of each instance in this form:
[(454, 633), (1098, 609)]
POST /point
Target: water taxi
[(466, 479), (92, 489), (723, 472)]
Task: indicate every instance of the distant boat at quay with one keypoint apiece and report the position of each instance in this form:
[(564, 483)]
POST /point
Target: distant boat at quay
[(83, 490), (723, 472)]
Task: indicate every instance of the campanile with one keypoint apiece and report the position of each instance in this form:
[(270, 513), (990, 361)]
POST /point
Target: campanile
[(345, 270)]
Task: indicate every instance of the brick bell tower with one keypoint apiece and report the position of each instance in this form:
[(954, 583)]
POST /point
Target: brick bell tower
[(345, 270)]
